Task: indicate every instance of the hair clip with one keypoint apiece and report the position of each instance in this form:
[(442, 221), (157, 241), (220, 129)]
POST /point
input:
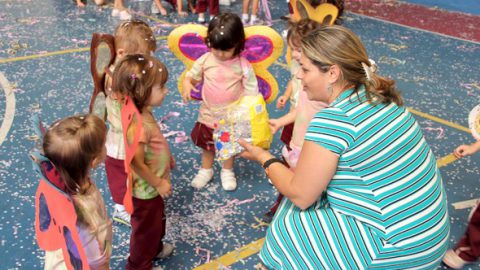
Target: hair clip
[(222, 26), (160, 69), (133, 76), (143, 72), (150, 64), (369, 70), (221, 33), (141, 59)]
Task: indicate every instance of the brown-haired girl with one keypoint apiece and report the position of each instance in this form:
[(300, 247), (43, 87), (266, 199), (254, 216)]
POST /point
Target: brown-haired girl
[(75, 145), (226, 76), (142, 78), (131, 37)]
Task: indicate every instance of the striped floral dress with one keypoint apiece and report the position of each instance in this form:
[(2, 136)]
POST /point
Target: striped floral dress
[(385, 207)]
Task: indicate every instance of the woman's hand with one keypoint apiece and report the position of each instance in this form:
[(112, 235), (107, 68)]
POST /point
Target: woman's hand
[(254, 153)]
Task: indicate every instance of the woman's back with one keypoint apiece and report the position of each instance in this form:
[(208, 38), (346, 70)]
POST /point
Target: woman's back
[(387, 175)]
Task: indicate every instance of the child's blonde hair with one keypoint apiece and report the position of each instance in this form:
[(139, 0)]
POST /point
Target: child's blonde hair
[(72, 145), (337, 45), (135, 76), (135, 36)]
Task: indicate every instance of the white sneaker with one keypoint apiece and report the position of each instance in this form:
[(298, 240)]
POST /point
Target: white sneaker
[(201, 19), (229, 182), (224, 2), (125, 15), (154, 9), (115, 12), (245, 19), (255, 21), (166, 252), (202, 178), (121, 216)]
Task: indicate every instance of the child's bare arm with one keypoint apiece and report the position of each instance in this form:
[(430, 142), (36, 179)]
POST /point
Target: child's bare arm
[(467, 150), (187, 87), (144, 172), (282, 100), (276, 124)]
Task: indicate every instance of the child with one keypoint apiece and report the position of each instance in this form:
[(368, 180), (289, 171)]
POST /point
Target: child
[(302, 109), (226, 76), (253, 18), (75, 145), (130, 37), (213, 9), (467, 249), (142, 78), (157, 7)]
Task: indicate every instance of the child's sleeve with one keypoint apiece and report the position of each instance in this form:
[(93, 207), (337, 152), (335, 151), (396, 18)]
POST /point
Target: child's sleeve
[(249, 81), (196, 72)]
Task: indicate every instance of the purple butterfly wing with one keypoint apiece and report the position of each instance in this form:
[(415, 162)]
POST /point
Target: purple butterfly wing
[(257, 49), (193, 46)]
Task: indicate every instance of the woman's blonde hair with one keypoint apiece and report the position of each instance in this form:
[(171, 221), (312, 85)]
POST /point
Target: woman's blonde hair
[(72, 144), (336, 45), (135, 75), (135, 36)]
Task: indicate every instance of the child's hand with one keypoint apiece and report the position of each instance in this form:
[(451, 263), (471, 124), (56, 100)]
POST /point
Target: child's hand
[(187, 89), (281, 101), (464, 150), (275, 125), (182, 13), (164, 189)]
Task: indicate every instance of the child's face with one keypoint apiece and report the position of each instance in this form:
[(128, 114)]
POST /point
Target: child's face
[(158, 94), (296, 51), (223, 55)]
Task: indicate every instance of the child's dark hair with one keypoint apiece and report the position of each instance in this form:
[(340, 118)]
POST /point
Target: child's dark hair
[(135, 75), (72, 144), (225, 31), (135, 36)]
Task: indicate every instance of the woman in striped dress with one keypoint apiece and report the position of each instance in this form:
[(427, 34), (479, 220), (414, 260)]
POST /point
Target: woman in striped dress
[(366, 193)]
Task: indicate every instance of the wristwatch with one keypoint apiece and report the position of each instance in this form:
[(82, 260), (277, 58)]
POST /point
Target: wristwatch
[(270, 162)]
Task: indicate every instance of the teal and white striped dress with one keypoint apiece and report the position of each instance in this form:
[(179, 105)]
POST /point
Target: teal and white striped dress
[(385, 207)]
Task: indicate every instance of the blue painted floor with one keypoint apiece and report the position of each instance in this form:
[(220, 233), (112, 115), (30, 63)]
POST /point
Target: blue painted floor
[(438, 75)]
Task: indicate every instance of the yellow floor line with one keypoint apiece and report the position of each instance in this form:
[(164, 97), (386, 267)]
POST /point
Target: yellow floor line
[(444, 161), (234, 256), (439, 120), (35, 56), (154, 19)]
